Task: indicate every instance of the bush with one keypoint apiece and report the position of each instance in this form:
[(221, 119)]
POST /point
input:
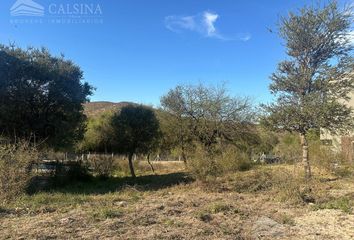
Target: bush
[(344, 171), (204, 165), (233, 159), (287, 186), (15, 168), (289, 148), (102, 165), (123, 166), (254, 181), (329, 160)]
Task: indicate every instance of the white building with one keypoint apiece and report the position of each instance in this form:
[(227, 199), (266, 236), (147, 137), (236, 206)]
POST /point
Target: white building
[(342, 143)]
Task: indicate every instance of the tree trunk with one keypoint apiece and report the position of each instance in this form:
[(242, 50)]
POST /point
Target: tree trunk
[(151, 166), (305, 156), (184, 158), (131, 166), (184, 154)]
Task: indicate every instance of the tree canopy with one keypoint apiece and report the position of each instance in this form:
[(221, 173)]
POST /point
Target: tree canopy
[(136, 129), (312, 84), (208, 115), (41, 96)]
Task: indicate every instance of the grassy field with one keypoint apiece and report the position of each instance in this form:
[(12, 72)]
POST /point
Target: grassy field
[(267, 202)]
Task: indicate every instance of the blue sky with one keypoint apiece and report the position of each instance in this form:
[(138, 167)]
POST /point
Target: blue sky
[(139, 49)]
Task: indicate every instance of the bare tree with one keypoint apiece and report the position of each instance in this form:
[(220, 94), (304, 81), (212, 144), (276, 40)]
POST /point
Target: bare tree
[(208, 114)]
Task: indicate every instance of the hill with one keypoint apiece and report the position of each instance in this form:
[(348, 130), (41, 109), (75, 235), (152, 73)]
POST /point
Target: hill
[(97, 108)]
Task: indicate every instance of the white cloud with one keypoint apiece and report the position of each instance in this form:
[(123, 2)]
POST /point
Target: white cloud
[(203, 23), (176, 24), (209, 20)]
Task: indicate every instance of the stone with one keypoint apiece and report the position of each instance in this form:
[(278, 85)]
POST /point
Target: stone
[(67, 220), (265, 227)]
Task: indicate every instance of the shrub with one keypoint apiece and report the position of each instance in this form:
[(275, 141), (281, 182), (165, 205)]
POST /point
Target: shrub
[(76, 172), (287, 186), (205, 165), (122, 166), (288, 148), (253, 181), (329, 160), (323, 157), (233, 159), (102, 165), (15, 168), (344, 171)]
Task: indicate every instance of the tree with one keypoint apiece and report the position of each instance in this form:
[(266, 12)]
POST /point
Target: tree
[(176, 125), (311, 85), (209, 115), (136, 129), (41, 96)]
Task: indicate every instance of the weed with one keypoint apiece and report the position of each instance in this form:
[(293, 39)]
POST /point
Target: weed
[(286, 219), (219, 207), (344, 171), (342, 203), (106, 213), (253, 181), (204, 216)]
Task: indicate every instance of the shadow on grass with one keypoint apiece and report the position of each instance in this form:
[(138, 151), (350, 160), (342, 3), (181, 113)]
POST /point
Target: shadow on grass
[(114, 184)]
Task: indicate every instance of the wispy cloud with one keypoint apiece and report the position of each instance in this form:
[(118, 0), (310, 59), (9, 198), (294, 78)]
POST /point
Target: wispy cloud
[(202, 23), (244, 37), (209, 21)]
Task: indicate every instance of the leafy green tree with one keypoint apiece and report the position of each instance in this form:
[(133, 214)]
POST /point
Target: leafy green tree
[(136, 130), (41, 96), (313, 83)]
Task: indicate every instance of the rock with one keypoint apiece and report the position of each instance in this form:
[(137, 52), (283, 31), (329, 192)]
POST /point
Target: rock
[(265, 227), (67, 220), (121, 204)]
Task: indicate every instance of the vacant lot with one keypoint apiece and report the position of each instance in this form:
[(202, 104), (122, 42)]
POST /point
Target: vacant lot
[(263, 203)]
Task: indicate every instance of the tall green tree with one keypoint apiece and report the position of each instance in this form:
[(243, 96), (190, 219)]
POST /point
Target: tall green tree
[(136, 130), (312, 85), (41, 96)]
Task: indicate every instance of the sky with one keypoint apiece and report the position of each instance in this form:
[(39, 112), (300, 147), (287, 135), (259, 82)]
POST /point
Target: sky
[(136, 50)]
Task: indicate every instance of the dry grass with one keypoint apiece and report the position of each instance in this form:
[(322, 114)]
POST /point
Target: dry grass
[(173, 206)]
